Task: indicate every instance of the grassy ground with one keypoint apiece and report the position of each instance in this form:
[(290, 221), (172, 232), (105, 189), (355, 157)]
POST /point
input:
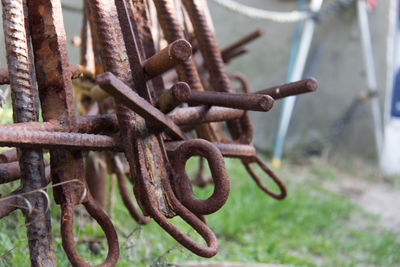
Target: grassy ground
[(312, 227)]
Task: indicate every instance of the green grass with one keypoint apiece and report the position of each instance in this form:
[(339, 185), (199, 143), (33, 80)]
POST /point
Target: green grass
[(312, 227)]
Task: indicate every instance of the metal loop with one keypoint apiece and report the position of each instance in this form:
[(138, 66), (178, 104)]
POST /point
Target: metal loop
[(193, 220), (67, 224), (282, 188), (181, 181)]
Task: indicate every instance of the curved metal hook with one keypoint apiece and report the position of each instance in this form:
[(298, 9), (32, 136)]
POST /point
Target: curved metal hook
[(197, 222), (67, 236), (282, 188), (181, 181)]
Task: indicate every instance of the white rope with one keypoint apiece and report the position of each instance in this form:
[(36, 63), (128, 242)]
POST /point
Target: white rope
[(256, 13)]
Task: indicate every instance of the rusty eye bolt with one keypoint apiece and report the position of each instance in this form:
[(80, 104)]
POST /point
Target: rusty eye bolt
[(142, 126)]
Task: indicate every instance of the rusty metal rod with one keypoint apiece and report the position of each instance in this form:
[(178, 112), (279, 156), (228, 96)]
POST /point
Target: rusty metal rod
[(290, 89), (56, 140), (11, 172), (228, 58), (168, 58), (239, 101), (237, 45), (132, 100), (227, 150), (8, 156), (204, 114), (75, 71), (170, 99), (17, 37)]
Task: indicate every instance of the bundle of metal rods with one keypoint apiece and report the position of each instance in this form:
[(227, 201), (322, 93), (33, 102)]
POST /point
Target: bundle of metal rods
[(133, 125)]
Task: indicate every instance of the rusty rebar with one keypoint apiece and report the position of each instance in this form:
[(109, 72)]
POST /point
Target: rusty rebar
[(9, 156), (11, 172), (132, 100), (203, 114), (56, 95), (175, 96), (174, 54), (25, 109), (187, 71), (289, 89), (23, 138), (230, 51), (237, 101)]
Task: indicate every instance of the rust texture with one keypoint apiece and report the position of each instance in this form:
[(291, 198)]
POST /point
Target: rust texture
[(24, 102), (127, 123), (56, 95)]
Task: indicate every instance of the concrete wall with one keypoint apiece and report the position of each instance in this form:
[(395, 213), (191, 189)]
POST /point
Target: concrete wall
[(339, 68)]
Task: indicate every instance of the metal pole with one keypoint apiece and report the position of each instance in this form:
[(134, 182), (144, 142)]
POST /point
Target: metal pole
[(288, 103)]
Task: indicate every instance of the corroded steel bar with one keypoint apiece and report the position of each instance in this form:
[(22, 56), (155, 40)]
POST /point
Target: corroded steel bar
[(11, 172), (228, 58), (9, 156), (219, 79), (227, 150), (238, 101), (170, 99), (232, 49), (168, 58), (187, 71), (203, 114), (289, 89), (143, 187), (25, 108), (101, 124), (56, 95), (75, 71), (9, 203), (132, 100), (103, 17), (56, 140)]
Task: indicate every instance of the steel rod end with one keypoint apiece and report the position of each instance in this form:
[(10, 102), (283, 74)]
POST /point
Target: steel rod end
[(311, 84), (266, 103), (180, 50), (181, 91)]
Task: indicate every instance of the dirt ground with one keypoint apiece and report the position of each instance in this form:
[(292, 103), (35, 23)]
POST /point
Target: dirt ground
[(375, 197)]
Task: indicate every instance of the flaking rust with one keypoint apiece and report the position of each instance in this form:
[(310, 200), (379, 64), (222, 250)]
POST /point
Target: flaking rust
[(146, 131)]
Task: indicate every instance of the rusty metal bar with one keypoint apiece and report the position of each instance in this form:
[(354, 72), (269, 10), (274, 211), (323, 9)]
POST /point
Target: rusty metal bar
[(56, 95), (56, 140), (238, 101), (227, 150), (75, 71), (25, 108), (168, 58), (232, 49), (132, 100), (8, 156), (11, 172), (290, 89), (170, 99), (203, 114)]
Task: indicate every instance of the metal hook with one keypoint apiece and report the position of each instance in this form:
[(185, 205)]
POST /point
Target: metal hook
[(256, 159)]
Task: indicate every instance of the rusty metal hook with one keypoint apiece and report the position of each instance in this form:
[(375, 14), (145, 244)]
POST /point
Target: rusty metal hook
[(256, 159), (147, 200), (67, 236), (181, 181)]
